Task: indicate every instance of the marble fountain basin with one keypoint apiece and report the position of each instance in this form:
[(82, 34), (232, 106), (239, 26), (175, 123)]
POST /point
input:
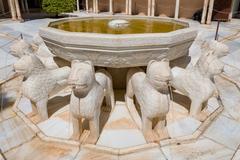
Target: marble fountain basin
[(135, 44)]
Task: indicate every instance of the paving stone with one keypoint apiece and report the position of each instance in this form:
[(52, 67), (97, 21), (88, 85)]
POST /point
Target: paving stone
[(236, 155), (40, 150), (230, 96), (86, 154), (6, 114), (120, 130), (151, 154), (14, 132), (203, 149), (224, 131)]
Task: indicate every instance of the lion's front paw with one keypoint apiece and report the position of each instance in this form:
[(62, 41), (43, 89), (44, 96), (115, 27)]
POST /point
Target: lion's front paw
[(163, 133), (92, 139), (75, 137), (201, 116), (150, 136)]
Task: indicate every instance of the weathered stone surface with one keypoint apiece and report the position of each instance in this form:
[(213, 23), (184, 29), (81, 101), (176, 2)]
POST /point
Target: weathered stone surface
[(202, 149), (120, 130), (40, 81), (14, 132), (58, 125), (88, 92), (224, 131), (119, 51), (196, 81), (236, 155), (39, 150), (85, 154), (230, 96), (149, 154), (183, 127), (152, 94), (6, 114)]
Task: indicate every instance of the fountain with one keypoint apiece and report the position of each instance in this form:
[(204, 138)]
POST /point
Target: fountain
[(117, 99), (139, 41)]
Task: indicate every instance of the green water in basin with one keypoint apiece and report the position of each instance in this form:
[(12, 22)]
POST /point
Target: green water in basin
[(135, 26)]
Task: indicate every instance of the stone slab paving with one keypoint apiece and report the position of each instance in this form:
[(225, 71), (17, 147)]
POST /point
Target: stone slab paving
[(59, 125), (29, 28), (151, 154), (6, 113), (39, 150), (224, 131), (203, 149), (183, 127), (230, 96), (236, 155), (14, 132), (120, 130), (233, 59), (86, 154)]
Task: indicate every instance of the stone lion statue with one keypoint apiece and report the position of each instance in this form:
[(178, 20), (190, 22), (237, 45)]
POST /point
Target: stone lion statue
[(89, 89), (152, 94), (197, 82), (40, 82), (220, 49), (204, 46), (21, 48), (37, 40)]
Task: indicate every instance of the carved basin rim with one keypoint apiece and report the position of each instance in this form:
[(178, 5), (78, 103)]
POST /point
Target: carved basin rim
[(119, 50)]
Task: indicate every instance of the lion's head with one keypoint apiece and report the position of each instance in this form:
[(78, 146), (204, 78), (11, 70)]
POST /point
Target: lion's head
[(28, 64), (21, 48), (159, 74), (81, 77), (218, 48), (210, 64)]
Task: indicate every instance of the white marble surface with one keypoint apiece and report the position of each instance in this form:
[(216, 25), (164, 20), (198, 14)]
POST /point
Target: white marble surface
[(213, 104), (85, 154), (224, 131), (233, 59), (230, 96), (203, 149), (120, 131), (58, 125), (25, 106), (183, 127), (14, 132), (148, 154), (6, 114), (39, 150), (236, 155)]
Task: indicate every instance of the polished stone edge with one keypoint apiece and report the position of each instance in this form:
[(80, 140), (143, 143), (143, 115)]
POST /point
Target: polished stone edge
[(105, 40), (124, 151)]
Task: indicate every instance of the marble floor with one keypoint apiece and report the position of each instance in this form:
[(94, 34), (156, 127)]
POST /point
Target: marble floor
[(23, 138)]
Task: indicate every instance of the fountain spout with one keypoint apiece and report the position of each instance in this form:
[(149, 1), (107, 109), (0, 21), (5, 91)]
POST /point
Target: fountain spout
[(118, 24)]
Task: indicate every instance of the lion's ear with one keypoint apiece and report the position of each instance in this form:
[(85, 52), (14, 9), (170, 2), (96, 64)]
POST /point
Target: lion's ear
[(74, 62), (166, 60), (91, 64), (150, 63)]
